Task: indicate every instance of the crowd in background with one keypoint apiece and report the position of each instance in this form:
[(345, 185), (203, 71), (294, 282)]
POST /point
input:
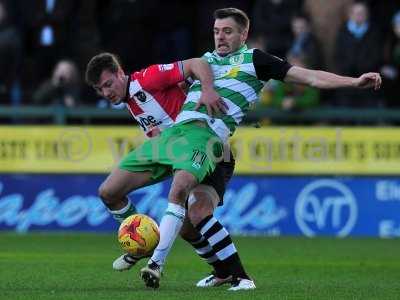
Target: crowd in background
[(45, 44)]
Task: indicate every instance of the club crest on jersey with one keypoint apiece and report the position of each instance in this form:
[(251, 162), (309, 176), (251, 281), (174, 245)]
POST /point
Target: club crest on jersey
[(166, 67), (236, 59), (141, 96)]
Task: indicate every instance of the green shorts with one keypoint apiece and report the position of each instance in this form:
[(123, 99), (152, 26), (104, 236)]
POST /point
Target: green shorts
[(192, 146)]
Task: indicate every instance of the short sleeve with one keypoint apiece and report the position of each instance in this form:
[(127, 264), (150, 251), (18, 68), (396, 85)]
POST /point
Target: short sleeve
[(268, 66), (159, 77)]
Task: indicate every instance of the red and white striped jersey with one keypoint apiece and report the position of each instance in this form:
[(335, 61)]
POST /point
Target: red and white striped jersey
[(154, 97)]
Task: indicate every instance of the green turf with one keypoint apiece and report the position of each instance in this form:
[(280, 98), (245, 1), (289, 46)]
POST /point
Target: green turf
[(78, 266)]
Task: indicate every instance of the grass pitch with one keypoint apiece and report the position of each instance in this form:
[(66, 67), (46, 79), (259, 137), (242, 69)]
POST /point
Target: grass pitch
[(78, 266)]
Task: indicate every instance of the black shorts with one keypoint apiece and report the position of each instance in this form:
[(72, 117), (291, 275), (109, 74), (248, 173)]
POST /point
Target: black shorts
[(220, 177)]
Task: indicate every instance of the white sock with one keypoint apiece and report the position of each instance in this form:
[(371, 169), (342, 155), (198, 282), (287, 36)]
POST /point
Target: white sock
[(171, 224)]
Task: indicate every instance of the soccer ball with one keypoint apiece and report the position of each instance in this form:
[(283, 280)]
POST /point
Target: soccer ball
[(138, 235)]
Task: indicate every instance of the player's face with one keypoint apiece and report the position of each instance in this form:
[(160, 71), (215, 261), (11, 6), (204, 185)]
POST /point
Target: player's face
[(112, 86), (228, 36)]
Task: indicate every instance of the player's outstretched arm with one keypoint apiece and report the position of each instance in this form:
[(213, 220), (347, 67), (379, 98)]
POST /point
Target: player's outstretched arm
[(200, 69), (327, 80)]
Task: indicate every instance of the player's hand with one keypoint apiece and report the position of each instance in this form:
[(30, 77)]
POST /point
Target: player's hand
[(369, 80), (212, 101)]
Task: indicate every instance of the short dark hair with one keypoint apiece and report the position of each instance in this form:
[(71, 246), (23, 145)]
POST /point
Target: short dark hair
[(238, 15), (99, 63)]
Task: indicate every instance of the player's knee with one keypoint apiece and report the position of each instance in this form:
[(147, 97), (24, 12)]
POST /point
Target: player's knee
[(182, 184), (107, 195), (178, 194), (198, 213)]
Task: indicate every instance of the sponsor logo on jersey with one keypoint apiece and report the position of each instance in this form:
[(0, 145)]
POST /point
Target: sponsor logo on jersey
[(233, 73), (148, 122), (141, 96), (166, 67)]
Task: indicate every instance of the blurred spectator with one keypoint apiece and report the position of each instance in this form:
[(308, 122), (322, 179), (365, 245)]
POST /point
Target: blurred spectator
[(10, 55), (256, 42), (304, 43), (87, 35), (271, 19), (128, 28), (175, 35), (326, 18), (286, 96), (382, 13), (358, 50), (63, 88), (88, 41), (391, 69), (50, 30)]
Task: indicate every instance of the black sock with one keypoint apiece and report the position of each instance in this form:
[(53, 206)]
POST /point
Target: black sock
[(220, 241), (206, 252)]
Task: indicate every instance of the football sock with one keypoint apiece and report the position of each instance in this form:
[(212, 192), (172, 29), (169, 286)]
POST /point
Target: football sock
[(123, 213), (170, 225), (220, 240), (206, 252)]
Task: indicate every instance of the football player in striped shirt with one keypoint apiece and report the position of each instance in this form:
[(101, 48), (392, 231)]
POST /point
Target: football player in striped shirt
[(154, 98), (194, 144), (239, 75)]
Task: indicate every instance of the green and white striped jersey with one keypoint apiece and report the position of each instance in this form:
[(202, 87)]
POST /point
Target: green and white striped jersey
[(235, 79)]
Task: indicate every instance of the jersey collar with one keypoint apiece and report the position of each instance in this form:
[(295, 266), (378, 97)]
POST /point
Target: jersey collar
[(242, 49), (127, 95)]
